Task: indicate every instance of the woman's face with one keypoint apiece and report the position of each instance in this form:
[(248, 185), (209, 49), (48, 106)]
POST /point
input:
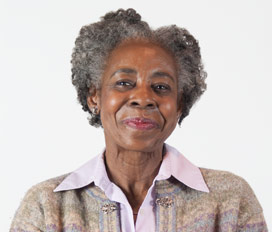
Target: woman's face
[(138, 96)]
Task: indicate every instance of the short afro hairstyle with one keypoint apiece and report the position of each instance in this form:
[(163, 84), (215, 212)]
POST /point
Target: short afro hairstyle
[(97, 40)]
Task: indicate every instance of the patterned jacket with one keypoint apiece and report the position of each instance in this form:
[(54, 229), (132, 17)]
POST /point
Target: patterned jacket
[(229, 206)]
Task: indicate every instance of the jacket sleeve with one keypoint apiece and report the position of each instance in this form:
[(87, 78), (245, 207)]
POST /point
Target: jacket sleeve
[(255, 224), (29, 216), (250, 216)]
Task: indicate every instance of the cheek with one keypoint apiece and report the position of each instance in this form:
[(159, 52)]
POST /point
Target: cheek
[(169, 108), (109, 105), (169, 111)]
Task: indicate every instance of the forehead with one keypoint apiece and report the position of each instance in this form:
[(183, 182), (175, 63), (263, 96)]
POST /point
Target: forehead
[(141, 53)]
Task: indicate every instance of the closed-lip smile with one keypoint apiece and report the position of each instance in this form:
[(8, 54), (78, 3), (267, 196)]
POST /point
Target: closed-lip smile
[(140, 123)]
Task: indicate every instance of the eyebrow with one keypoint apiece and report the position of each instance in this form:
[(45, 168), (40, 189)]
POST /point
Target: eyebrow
[(124, 70), (133, 71), (162, 74)]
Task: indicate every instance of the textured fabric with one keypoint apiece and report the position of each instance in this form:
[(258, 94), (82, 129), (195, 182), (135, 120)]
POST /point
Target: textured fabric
[(230, 205), (173, 164)]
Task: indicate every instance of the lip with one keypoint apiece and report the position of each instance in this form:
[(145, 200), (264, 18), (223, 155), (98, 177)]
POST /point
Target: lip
[(140, 123)]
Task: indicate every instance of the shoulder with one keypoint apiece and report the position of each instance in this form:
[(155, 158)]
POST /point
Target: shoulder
[(233, 195), (46, 187), (41, 193), (44, 196), (31, 212), (232, 190), (218, 180), (226, 182)]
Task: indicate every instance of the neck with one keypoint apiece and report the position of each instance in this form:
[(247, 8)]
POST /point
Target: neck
[(133, 171)]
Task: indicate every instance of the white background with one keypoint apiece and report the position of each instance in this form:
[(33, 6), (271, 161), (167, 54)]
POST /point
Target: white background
[(44, 133)]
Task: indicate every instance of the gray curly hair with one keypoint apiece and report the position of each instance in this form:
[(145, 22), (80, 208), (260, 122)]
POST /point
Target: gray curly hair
[(96, 41)]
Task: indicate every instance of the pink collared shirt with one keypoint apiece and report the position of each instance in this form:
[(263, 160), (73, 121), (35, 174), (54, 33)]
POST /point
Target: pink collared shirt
[(173, 164)]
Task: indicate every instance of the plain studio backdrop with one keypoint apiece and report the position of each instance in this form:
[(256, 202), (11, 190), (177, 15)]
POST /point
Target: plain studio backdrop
[(44, 132)]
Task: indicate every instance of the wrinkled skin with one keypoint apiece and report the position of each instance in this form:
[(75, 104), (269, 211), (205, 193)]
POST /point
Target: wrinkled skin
[(139, 81)]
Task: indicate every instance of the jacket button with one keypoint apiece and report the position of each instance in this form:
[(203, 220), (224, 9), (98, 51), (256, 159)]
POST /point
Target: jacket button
[(165, 202), (108, 208)]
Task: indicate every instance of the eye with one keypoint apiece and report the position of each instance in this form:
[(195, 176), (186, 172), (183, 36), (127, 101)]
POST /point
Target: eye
[(123, 83), (161, 88)]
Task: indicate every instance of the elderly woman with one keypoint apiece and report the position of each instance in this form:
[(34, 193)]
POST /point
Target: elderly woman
[(138, 83)]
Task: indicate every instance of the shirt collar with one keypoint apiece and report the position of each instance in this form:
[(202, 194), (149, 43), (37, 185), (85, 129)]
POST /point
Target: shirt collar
[(174, 163)]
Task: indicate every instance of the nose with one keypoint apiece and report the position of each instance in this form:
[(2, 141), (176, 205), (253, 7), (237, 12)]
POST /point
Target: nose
[(142, 98)]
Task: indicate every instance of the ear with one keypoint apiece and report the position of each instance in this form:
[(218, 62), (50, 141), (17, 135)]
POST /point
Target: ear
[(93, 99)]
